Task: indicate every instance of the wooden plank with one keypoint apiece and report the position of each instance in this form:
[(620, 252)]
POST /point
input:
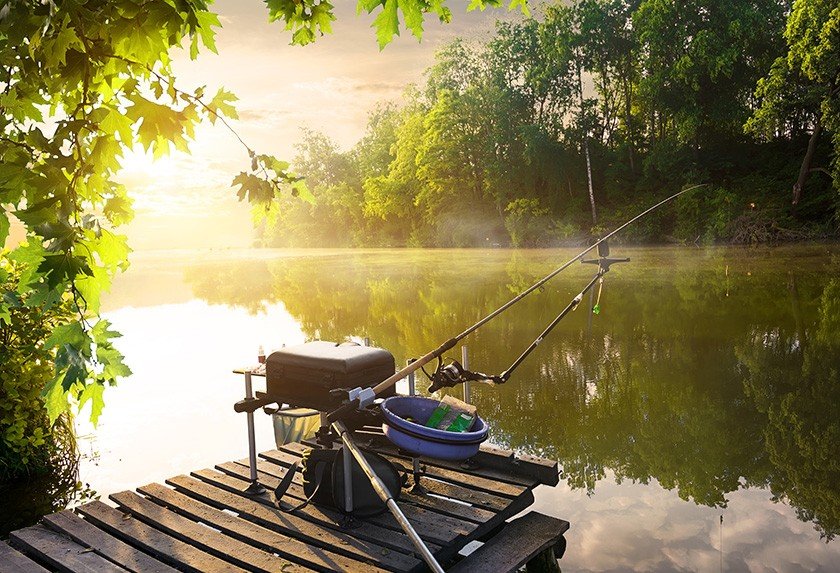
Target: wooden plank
[(466, 495), (520, 541), (462, 493), (166, 548), (292, 548), (85, 533), (292, 524), (449, 508), (60, 552), (435, 527), (457, 510), (490, 461), (491, 522), (11, 561), (213, 542), (286, 454), (472, 468), (321, 516), (541, 469)]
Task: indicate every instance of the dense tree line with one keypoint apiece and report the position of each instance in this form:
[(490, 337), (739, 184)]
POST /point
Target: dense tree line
[(562, 124)]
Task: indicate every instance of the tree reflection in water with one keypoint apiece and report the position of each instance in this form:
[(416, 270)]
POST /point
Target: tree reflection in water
[(707, 371)]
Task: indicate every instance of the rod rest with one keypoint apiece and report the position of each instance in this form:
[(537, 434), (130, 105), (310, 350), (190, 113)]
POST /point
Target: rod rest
[(250, 405), (605, 262)]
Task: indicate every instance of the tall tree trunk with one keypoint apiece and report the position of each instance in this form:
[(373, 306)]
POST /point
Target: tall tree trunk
[(628, 119), (586, 147), (589, 179), (805, 169)]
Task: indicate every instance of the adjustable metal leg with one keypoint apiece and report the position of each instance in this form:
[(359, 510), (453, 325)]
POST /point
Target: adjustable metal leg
[(465, 362), (347, 462), (415, 461), (385, 495), (254, 488)]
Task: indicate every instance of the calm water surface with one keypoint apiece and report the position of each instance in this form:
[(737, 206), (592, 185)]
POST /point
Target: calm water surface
[(696, 418)]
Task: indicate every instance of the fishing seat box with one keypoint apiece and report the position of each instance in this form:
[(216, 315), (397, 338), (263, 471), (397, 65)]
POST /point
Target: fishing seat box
[(304, 375)]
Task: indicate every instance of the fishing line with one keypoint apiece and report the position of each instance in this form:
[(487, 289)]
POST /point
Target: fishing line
[(453, 373)]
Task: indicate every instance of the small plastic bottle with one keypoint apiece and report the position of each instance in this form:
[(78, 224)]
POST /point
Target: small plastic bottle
[(261, 355)]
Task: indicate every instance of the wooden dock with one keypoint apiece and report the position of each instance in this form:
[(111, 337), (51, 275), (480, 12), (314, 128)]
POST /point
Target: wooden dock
[(206, 522)]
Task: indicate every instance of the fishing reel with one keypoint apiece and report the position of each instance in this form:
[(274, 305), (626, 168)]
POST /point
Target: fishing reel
[(452, 374)]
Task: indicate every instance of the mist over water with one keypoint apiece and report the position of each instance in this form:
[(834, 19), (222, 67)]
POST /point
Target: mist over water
[(707, 386)]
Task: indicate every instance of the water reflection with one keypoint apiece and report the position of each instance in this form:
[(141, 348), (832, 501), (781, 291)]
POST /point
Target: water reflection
[(707, 372), (25, 500)]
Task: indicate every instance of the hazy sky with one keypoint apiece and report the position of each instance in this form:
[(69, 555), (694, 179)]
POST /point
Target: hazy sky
[(185, 201)]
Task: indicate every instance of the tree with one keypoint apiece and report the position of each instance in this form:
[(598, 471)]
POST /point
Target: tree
[(697, 82), (801, 92), (83, 82)]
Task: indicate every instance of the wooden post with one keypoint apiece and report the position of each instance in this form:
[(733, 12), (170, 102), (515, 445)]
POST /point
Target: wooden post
[(543, 562)]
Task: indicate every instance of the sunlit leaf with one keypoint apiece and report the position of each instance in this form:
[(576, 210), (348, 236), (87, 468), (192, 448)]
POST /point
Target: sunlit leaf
[(93, 394)]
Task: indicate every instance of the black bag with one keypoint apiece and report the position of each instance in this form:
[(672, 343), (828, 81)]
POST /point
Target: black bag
[(304, 375), (323, 482)]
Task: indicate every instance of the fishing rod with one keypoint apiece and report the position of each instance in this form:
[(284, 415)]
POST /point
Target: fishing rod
[(454, 373), (361, 397)]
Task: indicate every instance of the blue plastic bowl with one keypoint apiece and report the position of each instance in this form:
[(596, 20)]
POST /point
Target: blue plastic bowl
[(430, 442)]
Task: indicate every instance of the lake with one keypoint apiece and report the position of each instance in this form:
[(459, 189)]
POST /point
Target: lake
[(696, 417)]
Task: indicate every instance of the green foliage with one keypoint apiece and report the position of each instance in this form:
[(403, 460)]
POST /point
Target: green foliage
[(802, 88), (309, 19), (526, 222), (84, 82), (659, 96), (25, 428)]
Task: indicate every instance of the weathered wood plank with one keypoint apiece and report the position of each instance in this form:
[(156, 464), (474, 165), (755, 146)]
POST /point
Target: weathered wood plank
[(458, 510), (322, 516), (11, 561), (478, 499), (61, 552), (450, 509), (492, 521), (446, 507), (461, 493), (317, 534), (520, 541), (456, 476), (166, 548), (432, 526), (545, 471), (293, 549), (87, 534), (215, 543), (490, 461), (471, 468)]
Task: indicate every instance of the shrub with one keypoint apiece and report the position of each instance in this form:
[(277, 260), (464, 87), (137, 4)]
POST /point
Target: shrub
[(27, 443)]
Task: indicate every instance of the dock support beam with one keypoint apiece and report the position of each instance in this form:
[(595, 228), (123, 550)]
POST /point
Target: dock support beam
[(543, 562)]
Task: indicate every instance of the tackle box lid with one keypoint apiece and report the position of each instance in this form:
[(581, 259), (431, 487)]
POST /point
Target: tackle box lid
[(342, 358)]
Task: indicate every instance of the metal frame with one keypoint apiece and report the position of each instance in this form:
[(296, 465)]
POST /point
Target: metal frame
[(254, 487), (343, 433)]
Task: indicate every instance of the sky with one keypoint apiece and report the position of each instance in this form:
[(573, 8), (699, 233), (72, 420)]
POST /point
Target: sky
[(185, 201)]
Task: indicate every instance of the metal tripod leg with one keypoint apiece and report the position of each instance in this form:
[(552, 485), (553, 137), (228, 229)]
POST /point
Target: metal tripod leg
[(254, 488), (385, 496)]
